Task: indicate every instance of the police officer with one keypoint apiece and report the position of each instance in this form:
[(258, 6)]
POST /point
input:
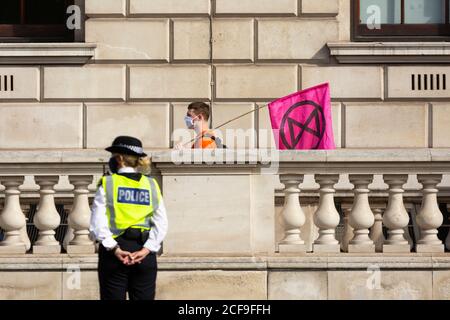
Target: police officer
[(129, 220)]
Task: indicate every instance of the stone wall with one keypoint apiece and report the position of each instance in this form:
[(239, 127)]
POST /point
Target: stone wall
[(317, 277), (153, 58)]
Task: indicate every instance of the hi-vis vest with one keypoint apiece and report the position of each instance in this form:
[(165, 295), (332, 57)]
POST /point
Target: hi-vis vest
[(130, 203)]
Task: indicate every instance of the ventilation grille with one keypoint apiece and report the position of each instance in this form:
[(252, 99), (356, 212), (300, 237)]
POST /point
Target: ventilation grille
[(428, 82), (6, 83)]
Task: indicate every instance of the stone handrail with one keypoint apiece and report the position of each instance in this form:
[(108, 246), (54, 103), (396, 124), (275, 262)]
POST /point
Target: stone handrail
[(248, 177), (392, 168)]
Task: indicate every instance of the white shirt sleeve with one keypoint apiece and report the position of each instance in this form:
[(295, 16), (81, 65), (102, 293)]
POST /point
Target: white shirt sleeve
[(99, 226), (159, 228)]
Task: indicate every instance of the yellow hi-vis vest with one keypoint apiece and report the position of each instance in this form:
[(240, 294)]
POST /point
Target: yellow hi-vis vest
[(130, 203)]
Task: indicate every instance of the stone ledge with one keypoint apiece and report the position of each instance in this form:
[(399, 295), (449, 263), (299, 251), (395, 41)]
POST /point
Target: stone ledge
[(46, 53), (342, 261), (390, 52), (99, 156), (369, 161), (338, 155)]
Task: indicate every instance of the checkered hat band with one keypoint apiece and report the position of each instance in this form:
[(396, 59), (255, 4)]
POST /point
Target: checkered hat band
[(132, 148)]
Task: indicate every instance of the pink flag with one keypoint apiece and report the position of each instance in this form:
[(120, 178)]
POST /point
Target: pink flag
[(303, 119)]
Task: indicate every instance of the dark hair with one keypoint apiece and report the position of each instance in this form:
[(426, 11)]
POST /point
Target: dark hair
[(200, 108)]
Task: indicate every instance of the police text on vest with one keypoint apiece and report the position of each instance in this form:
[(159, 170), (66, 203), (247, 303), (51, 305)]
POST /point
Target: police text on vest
[(133, 196)]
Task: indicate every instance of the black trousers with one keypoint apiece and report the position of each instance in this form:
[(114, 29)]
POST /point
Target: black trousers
[(116, 279)]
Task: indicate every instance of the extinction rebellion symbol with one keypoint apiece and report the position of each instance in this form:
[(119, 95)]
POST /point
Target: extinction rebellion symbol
[(292, 131)]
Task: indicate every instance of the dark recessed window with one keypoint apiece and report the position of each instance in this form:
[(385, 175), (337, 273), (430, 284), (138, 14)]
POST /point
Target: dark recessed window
[(401, 20), (35, 21)]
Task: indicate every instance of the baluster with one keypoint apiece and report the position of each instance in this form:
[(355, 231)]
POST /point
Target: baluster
[(409, 207), (293, 215), (67, 237), (376, 233), (79, 217), (12, 218), (24, 236), (447, 240), (348, 230), (326, 217), (430, 217), (47, 218), (396, 217), (361, 216), (24, 231)]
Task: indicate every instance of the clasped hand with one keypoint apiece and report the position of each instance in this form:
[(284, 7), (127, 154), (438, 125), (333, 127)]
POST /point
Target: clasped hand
[(129, 259)]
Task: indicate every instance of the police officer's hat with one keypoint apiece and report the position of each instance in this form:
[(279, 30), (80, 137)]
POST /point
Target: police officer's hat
[(127, 145)]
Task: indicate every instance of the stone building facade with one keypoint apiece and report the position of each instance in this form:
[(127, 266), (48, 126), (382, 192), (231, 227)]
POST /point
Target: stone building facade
[(132, 68), (153, 57)]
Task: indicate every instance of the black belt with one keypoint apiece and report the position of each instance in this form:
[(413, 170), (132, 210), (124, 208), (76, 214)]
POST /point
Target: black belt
[(136, 235)]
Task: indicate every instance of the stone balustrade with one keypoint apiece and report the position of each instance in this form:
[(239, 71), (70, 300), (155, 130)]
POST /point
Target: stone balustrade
[(47, 218), (47, 179), (371, 192), (363, 225), (364, 218), (375, 189)]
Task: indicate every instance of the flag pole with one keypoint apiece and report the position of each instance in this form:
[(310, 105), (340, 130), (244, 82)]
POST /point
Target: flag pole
[(239, 117)]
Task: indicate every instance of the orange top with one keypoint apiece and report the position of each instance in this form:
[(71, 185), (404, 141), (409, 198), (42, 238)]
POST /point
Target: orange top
[(202, 142)]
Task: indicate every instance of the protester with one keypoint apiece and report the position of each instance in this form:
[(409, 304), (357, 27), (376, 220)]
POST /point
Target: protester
[(197, 119)]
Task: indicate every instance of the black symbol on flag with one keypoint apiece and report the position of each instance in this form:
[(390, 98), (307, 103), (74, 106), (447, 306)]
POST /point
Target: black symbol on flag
[(289, 123)]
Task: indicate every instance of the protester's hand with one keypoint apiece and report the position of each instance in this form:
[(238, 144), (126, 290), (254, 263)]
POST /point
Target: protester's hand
[(138, 256), (123, 256)]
